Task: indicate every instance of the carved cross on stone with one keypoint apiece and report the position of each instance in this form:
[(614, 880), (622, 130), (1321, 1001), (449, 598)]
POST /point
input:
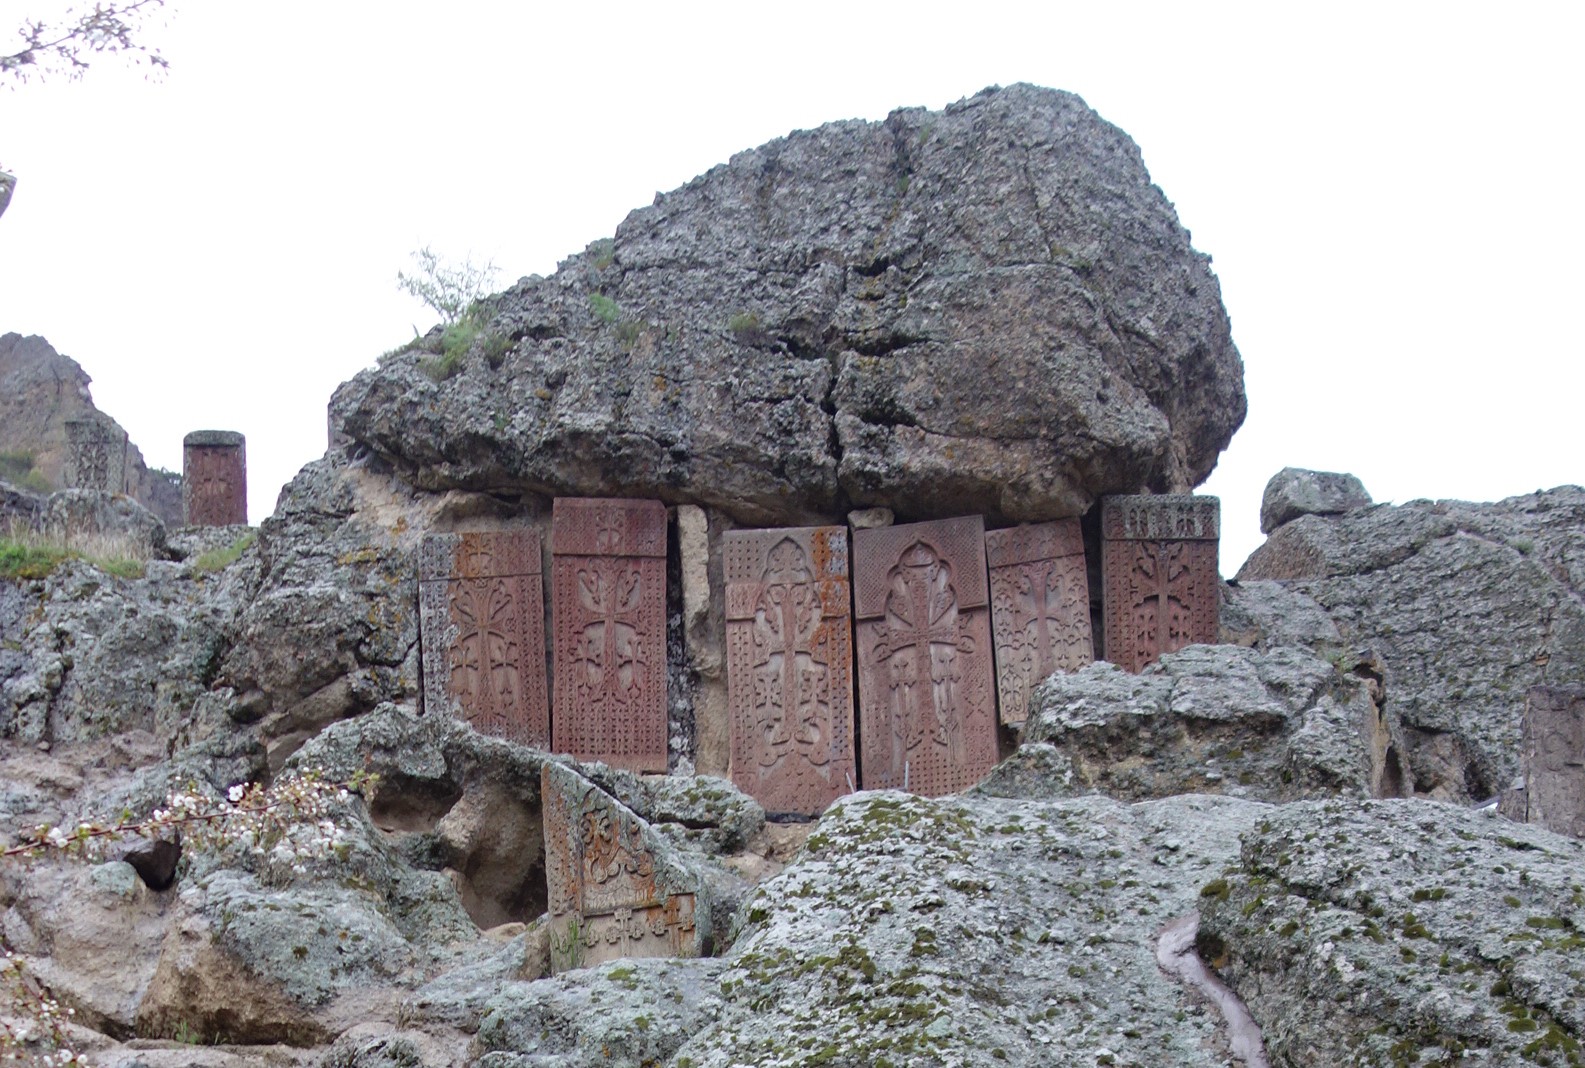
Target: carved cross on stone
[(1161, 589), (789, 666), (1040, 608), (96, 454), (481, 614), (1552, 761), (608, 582), (924, 656), (214, 479)]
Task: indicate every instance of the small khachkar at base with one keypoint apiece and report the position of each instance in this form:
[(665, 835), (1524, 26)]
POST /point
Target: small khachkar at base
[(927, 707), (96, 454), (1160, 586), (481, 607), (214, 479), (1040, 608), (615, 889), (790, 666), (608, 609)]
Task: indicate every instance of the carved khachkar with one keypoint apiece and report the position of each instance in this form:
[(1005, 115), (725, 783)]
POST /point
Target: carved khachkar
[(615, 890), (1160, 587), (789, 666), (927, 713), (214, 479), (482, 620), (608, 584), (1552, 756), (96, 455), (1040, 608)]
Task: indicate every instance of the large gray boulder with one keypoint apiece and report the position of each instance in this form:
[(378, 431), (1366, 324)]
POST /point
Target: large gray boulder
[(1293, 492), (984, 309), (1456, 608)]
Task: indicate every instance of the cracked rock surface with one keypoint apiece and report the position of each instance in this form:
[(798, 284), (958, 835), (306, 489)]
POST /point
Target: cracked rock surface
[(984, 309)]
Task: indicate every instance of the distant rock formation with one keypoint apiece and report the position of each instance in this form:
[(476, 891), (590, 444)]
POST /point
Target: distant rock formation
[(988, 308), (40, 391)]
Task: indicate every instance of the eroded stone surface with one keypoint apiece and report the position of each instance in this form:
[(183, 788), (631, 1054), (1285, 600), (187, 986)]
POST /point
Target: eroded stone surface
[(608, 582), (616, 890), (1040, 608), (1161, 588), (214, 479), (481, 608), (784, 337), (927, 704), (789, 666), (1293, 492), (96, 454), (1553, 759)]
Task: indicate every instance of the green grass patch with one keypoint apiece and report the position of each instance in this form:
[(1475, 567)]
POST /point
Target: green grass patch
[(220, 559)]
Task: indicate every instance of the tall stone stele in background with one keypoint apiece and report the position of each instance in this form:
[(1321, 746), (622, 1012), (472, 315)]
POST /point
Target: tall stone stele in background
[(608, 611), (96, 454), (1551, 791), (481, 604), (927, 705), (1161, 590), (1040, 608), (214, 479), (615, 888), (790, 666)]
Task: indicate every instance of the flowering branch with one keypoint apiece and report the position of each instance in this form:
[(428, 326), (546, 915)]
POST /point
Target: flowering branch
[(256, 818), (106, 27)]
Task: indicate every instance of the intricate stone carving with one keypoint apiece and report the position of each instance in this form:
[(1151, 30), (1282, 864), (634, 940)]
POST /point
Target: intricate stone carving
[(481, 614), (926, 707), (96, 455), (1161, 590), (790, 666), (1553, 758), (608, 581), (1040, 608), (613, 889), (214, 479)]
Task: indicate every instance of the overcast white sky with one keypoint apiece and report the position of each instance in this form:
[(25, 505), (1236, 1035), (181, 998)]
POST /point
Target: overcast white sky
[(1390, 194)]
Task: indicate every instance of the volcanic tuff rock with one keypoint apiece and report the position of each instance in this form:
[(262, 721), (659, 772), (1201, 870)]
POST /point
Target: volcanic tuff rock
[(983, 309), (1457, 609), (39, 390), (1293, 492)]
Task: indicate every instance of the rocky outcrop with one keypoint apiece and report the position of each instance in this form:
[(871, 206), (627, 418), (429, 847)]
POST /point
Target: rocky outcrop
[(1457, 608), (40, 389), (787, 335), (1293, 492)]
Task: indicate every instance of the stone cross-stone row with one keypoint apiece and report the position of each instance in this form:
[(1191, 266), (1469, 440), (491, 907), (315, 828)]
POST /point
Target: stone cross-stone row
[(953, 626)]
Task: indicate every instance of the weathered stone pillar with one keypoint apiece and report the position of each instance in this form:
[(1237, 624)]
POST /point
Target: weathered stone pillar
[(214, 479), (1160, 585), (1551, 791), (96, 455)]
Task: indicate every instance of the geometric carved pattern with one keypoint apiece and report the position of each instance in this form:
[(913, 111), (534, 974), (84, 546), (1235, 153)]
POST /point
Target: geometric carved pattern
[(610, 895), (1553, 759), (790, 666), (1161, 589), (1040, 608), (608, 585), (927, 710), (96, 455), (214, 479), (482, 621)]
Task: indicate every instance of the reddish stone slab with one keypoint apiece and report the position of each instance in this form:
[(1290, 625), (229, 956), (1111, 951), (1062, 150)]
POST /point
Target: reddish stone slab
[(1160, 585), (482, 626), (1553, 759), (790, 666), (927, 713), (611, 893), (96, 455), (608, 584), (214, 479), (1040, 608)]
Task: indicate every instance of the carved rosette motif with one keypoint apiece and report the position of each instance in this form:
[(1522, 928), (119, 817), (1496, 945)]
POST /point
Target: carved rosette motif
[(1040, 608), (481, 620), (608, 580), (1553, 756), (789, 666), (606, 897), (96, 455), (926, 706), (1161, 589), (214, 482)]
